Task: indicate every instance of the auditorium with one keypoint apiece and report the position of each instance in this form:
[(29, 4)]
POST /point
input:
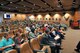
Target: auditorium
[(39, 26)]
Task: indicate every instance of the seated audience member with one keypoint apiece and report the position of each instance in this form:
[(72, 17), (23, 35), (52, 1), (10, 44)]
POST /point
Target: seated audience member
[(1, 44), (2, 29), (17, 38), (23, 38), (20, 30), (31, 35), (38, 31), (8, 42), (78, 47), (27, 28), (53, 32), (47, 39)]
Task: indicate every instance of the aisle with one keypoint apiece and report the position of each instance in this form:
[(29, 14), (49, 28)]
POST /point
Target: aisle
[(71, 39)]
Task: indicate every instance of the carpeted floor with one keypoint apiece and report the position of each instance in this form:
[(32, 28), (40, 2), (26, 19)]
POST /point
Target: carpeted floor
[(71, 39)]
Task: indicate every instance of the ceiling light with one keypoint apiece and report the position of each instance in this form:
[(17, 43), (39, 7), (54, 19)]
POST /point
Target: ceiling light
[(50, 7), (22, 0), (41, 7), (9, 8), (58, 6), (2, 4), (16, 7), (73, 2), (10, 2), (45, 3), (34, 4), (24, 6)]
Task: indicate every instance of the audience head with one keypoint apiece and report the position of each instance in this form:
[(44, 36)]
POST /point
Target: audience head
[(6, 35), (20, 30), (47, 31), (18, 34)]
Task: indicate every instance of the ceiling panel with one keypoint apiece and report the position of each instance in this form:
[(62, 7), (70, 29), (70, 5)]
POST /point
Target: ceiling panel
[(3, 2), (38, 2), (77, 2), (15, 5), (12, 0), (37, 5), (66, 2), (27, 4), (51, 2)]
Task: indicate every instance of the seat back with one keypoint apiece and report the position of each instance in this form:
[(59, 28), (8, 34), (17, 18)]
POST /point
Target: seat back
[(39, 38), (35, 44), (11, 51), (25, 48)]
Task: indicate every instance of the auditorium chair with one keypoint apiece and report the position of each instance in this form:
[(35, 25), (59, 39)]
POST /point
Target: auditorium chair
[(25, 48), (39, 37), (36, 46), (12, 51)]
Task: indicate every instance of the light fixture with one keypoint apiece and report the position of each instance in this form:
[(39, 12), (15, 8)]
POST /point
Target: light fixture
[(2, 4), (41, 7), (22, 0), (24, 6), (58, 5), (34, 4), (45, 3), (10, 2), (9, 8), (50, 7), (73, 2), (16, 7)]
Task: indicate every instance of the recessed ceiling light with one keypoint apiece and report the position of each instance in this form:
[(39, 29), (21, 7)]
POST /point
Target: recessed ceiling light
[(2, 4), (50, 7), (45, 3), (58, 6), (22, 0), (24, 6), (73, 2), (34, 4), (10, 2), (16, 7), (9, 8)]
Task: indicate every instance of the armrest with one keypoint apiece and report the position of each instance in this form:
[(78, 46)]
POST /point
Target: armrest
[(35, 51)]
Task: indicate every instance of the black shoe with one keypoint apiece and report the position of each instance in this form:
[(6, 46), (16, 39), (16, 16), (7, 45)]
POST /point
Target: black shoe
[(76, 50)]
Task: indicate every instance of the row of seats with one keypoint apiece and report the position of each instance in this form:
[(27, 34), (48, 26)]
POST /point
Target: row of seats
[(30, 47)]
